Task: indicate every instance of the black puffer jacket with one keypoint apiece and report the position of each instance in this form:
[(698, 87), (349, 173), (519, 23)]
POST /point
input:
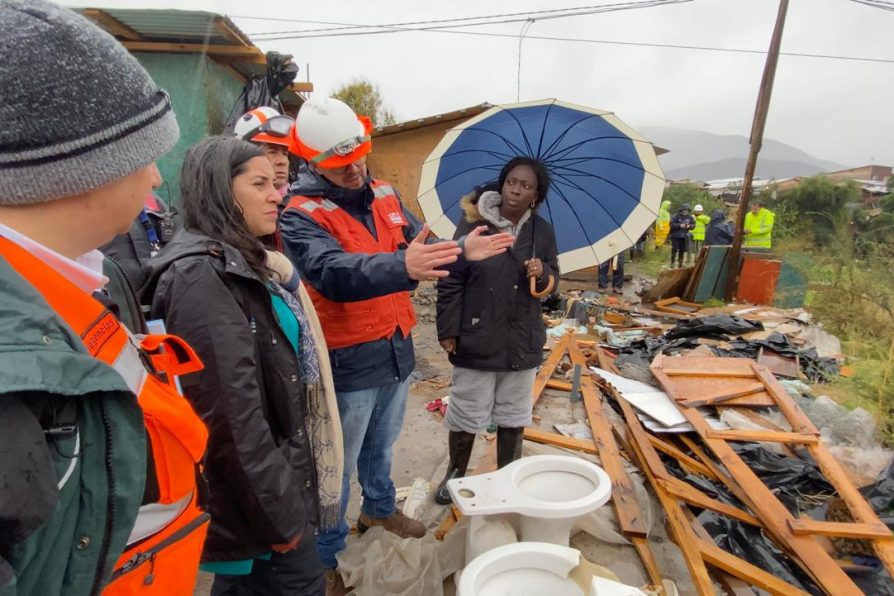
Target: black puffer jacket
[(259, 466), (487, 305)]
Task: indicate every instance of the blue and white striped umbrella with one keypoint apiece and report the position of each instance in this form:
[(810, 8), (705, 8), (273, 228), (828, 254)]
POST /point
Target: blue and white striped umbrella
[(606, 180)]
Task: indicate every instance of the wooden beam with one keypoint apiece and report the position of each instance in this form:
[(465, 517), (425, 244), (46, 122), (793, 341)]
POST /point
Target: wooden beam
[(111, 24), (680, 530), (549, 367), (223, 27), (842, 529), (195, 48), (717, 557), (765, 505), (557, 384), (693, 496), (689, 463), (630, 518), (302, 87), (548, 438), (770, 436), (722, 397)]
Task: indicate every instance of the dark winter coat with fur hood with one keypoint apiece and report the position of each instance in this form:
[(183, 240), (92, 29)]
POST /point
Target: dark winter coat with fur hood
[(486, 305)]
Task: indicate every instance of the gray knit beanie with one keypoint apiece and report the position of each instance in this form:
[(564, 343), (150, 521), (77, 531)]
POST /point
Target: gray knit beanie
[(77, 111)]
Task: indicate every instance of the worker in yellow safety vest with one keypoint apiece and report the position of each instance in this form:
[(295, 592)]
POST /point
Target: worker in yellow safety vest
[(698, 232), (758, 227)]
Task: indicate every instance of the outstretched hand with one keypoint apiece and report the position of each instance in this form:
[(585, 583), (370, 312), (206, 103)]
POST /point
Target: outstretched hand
[(423, 260), (479, 247)]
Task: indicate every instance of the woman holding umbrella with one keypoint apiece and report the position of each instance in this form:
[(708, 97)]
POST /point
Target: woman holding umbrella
[(489, 319)]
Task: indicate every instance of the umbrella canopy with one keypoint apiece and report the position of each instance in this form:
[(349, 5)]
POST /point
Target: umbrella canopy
[(606, 181)]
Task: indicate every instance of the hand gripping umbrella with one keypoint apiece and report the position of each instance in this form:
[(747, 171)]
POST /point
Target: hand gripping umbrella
[(606, 181)]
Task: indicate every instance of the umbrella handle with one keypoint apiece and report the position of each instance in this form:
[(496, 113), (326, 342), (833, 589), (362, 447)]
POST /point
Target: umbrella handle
[(546, 292)]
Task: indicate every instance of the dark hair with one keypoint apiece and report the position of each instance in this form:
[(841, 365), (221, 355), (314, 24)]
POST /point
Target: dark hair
[(206, 195), (540, 170)]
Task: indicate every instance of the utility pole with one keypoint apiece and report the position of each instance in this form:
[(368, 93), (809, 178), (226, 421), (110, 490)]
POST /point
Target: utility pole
[(756, 140)]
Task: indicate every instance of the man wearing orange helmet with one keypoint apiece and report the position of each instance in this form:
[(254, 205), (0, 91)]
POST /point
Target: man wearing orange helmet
[(270, 130), (360, 252)]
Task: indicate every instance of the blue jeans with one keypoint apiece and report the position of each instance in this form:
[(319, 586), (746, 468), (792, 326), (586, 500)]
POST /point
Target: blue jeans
[(371, 420)]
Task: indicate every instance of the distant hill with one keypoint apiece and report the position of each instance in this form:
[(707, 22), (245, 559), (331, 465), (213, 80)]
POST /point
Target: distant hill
[(734, 167), (707, 156)]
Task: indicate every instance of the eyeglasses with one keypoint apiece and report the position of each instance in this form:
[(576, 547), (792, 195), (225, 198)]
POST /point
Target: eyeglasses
[(278, 126), (344, 169)]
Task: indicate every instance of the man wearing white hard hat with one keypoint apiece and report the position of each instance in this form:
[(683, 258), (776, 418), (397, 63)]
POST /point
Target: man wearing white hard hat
[(270, 130), (360, 253), (698, 232)]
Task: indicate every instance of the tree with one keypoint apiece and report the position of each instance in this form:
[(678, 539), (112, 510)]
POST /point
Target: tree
[(814, 206), (365, 99)]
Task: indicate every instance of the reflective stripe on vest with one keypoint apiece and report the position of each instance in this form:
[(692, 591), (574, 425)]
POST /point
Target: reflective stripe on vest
[(351, 323), (176, 434)]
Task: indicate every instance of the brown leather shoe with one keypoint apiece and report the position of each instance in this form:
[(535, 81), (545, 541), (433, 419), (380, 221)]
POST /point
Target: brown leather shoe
[(396, 523), (335, 585)]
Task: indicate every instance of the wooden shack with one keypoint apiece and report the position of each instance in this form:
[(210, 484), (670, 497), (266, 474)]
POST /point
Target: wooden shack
[(202, 59)]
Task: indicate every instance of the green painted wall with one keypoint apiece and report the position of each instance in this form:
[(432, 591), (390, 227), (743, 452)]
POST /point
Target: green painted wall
[(202, 93)]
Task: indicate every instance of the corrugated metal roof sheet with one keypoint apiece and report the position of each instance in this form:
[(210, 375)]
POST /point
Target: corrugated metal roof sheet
[(177, 26)]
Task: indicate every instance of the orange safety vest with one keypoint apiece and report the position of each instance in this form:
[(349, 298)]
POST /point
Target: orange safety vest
[(350, 323), (165, 561)]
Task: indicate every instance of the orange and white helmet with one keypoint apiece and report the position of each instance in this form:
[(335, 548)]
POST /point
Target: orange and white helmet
[(329, 134), (264, 125)]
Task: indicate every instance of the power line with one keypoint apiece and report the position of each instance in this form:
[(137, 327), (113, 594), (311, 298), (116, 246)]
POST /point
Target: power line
[(653, 45), (498, 19), (465, 21), (877, 4)]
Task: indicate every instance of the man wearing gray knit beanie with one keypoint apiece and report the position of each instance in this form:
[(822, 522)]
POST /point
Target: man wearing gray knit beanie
[(75, 167)]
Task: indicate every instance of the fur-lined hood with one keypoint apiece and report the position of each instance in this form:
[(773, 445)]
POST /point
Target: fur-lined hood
[(469, 204)]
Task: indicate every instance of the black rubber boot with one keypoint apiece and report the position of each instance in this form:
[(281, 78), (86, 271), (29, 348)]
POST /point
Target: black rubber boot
[(509, 445), (460, 448)]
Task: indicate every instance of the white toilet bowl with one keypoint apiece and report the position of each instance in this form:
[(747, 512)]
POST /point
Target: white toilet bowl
[(536, 569), (548, 492)]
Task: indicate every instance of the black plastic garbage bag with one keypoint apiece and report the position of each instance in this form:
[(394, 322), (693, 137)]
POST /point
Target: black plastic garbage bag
[(815, 367), (716, 326), (752, 545), (263, 90), (880, 495)]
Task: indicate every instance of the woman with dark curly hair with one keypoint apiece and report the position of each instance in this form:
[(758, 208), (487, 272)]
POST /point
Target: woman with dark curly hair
[(273, 466), (489, 323)]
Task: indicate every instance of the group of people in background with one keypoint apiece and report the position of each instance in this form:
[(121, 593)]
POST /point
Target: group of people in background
[(689, 230), (199, 393)]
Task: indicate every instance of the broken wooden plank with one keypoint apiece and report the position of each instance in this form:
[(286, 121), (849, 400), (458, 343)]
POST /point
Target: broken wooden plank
[(716, 556), (678, 306), (762, 501), (795, 416), (712, 400), (630, 518), (686, 461), (680, 530), (859, 508), (769, 436), (840, 529), (448, 522), (549, 367), (693, 496), (557, 384), (549, 438)]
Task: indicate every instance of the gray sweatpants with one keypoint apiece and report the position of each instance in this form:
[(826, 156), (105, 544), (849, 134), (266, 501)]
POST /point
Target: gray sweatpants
[(479, 397)]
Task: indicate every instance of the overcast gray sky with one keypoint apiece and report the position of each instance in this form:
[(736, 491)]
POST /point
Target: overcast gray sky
[(839, 110)]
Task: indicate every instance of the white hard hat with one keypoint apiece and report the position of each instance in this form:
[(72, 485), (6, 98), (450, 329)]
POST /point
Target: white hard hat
[(698, 208), (329, 134), (264, 125)]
